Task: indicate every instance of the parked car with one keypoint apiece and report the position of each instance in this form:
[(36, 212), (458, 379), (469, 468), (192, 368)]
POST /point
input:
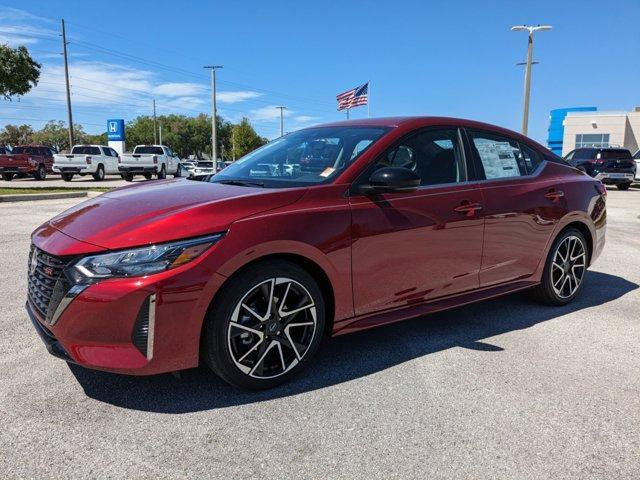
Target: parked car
[(149, 160), (248, 271), (4, 150), (97, 160), (196, 168), (613, 166), (636, 158), (35, 160)]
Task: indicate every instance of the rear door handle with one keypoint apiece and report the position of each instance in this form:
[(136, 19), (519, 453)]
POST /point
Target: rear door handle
[(467, 208), (554, 194)]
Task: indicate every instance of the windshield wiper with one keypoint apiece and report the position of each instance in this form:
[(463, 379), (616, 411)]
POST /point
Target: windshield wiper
[(241, 183)]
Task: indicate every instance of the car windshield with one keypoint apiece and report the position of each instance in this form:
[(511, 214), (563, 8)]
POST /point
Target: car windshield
[(306, 157)]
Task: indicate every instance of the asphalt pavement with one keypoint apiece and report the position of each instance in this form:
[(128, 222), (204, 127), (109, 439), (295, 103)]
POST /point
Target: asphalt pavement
[(501, 389)]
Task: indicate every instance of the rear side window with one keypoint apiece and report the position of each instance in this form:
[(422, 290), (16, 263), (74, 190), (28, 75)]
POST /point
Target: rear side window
[(585, 154), (530, 157), (500, 157)]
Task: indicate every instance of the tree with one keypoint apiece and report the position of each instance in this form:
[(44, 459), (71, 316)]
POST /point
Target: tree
[(55, 134), (245, 138), (16, 135), (19, 73)]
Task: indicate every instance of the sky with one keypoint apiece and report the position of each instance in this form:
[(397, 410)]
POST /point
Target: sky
[(445, 58)]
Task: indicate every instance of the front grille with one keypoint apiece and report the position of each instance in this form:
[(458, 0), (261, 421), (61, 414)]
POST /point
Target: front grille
[(47, 282)]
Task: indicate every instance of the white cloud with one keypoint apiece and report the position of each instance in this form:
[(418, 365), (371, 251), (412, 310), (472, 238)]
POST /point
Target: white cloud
[(175, 89), (15, 31), (270, 112), (305, 118), (235, 97)]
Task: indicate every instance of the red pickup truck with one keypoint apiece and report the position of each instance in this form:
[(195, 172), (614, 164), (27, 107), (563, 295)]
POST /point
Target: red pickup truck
[(36, 160)]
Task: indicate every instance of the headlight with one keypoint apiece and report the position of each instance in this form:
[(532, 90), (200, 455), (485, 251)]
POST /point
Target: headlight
[(139, 261)]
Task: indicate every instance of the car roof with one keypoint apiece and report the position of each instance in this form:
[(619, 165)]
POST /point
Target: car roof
[(603, 148), (422, 121)]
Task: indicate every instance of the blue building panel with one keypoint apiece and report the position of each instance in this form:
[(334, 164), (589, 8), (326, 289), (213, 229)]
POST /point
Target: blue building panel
[(556, 126)]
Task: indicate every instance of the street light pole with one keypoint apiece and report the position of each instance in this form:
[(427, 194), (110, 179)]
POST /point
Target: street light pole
[(155, 123), (214, 140), (281, 120), (66, 78), (527, 72)]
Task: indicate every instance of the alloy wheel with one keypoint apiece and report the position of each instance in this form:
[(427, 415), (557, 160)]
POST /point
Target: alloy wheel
[(568, 267), (272, 327)]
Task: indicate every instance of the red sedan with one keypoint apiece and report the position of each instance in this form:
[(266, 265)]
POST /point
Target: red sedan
[(324, 231)]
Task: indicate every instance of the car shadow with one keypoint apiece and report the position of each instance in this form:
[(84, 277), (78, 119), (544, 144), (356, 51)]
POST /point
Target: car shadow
[(352, 356)]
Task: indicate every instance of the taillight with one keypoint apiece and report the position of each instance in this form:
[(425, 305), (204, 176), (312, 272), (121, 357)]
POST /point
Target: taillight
[(601, 189), (88, 160), (155, 159), (599, 161)]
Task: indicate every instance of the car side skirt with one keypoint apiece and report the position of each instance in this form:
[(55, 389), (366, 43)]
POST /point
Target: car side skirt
[(365, 322)]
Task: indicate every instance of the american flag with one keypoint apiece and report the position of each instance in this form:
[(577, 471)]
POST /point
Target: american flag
[(354, 97)]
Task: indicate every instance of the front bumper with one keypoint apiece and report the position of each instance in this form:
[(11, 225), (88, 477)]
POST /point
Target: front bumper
[(137, 326), (138, 169)]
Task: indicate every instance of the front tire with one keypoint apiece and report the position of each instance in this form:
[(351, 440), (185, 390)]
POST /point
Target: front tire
[(623, 186), (564, 269), (265, 325), (99, 175)]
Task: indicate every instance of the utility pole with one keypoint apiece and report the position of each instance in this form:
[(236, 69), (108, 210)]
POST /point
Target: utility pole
[(214, 140), (160, 132), (527, 72), (233, 143), (155, 128), (281, 120), (66, 76)]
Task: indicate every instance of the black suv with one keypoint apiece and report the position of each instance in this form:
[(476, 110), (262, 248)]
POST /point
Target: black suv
[(613, 166)]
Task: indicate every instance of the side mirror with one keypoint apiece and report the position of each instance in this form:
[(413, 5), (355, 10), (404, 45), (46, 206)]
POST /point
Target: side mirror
[(391, 180)]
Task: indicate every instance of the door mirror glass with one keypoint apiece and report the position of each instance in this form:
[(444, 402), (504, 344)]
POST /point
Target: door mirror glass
[(392, 179)]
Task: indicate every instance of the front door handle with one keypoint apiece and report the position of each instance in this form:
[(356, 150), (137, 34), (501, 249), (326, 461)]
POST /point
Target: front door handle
[(469, 209), (554, 194)]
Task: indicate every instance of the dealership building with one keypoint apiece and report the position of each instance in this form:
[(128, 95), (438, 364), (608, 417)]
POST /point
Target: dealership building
[(577, 127)]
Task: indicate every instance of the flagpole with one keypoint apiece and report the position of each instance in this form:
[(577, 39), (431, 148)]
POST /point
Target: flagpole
[(369, 99), (347, 113)]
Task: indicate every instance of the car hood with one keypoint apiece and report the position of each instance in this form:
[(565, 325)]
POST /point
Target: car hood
[(162, 211)]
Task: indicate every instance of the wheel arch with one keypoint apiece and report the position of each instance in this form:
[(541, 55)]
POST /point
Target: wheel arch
[(310, 266)]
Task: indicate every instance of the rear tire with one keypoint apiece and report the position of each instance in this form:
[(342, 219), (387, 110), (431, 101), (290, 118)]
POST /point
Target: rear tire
[(67, 177), (41, 173), (162, 174), (147, 176), (127, 177), (99, 175), (564, 270), (242, 346), (623, 186), (7, 177)]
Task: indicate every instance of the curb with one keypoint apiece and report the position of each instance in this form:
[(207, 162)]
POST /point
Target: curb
[(32, 197)]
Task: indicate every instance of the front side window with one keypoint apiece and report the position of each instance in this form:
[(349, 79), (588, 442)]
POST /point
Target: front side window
[(500, 157), (306, 157), (433, 154)]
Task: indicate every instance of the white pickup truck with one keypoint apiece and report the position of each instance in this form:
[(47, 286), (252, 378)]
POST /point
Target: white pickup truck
[(96, 160), (149, 160)]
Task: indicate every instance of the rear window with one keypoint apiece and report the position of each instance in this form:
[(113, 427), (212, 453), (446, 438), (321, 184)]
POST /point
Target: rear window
[(85, 150), (149, 150), (621, 153)]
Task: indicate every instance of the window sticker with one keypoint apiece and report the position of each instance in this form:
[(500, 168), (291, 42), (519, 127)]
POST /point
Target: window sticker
[(498, 158)]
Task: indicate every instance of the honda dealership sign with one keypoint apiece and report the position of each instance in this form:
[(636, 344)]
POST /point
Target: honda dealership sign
[(116, 135)]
